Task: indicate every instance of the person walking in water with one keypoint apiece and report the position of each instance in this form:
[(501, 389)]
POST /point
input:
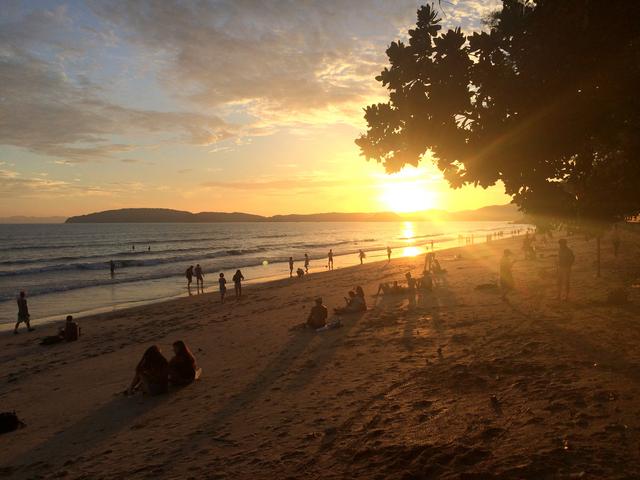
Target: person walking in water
[(223, 286), (361, 255), (565, 262), (306, 263), (23, 313), (199, 278), (237, 283), (189, 275), (290, 267), (112, 267), (330, 258), (388, 254)]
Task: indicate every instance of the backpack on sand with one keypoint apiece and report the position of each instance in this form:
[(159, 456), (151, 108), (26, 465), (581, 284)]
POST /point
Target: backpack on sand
[(9, 422)]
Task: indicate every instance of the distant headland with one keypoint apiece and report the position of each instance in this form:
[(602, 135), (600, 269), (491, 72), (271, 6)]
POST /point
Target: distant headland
[(507, 212)]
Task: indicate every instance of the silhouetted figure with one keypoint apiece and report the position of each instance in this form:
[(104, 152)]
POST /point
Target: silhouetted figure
[(152, 373), (388, 254), (300, 272), (566, 259), (189, 274), (223, 287), (199, 278), (428, 261), (318, 315), (615, 239), (425, 284), (23, 313), (237, 283), (330, 259), (149, 249), (71, 331), (362, 256), (411, 289), (306, 263), (133, 247), (290, 267), (507, 283), (183, 368), (112, 267)]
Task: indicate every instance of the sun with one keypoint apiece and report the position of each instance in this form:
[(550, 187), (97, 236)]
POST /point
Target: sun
[(405, 192)]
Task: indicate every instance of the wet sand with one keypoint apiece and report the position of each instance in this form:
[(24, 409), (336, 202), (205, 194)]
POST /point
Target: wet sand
[(464, 385)]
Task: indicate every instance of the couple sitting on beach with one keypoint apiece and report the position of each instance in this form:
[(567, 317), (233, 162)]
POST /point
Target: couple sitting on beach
[(154, 373), (422, 284), (318, 316)]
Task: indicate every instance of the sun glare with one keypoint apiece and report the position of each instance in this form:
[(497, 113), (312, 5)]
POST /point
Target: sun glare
[(405, 192)]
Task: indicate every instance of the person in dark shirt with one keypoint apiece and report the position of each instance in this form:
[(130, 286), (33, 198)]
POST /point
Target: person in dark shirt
[(71, 330), (183, 366), (152, 373), (223, 287), (23, 313), (237, 283), (565, 262), (318, 315), (306, 263), (199, 278), (189, 274)]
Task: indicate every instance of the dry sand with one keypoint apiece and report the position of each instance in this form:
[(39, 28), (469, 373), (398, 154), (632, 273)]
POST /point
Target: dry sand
[(372, 399)]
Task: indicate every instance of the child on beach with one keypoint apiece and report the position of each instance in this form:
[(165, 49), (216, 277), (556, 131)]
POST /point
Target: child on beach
[(237, 283), (223, 287), (152, 373), (290, 267), (183, 368), (330, 259), (318, 315), (23, 313)]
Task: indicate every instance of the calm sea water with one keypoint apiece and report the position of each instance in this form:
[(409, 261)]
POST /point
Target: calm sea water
[(65, 268)]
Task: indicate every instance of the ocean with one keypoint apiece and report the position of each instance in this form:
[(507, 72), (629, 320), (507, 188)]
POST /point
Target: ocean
[(64, 268)]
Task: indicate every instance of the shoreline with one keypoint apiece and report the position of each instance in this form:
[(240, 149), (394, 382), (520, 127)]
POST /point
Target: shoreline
[(342, 261)]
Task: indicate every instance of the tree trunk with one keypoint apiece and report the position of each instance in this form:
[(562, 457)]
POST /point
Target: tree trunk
[(598, 255)]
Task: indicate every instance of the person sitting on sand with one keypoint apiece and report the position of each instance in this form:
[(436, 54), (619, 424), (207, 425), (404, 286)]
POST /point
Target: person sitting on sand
[(383, 288), (318, 315), (183, 368), (71, 330), (152, 373), (507, 284), (436, 268), (237, 283), (355, 304), (300, 272), (223, 286), (360, 294)]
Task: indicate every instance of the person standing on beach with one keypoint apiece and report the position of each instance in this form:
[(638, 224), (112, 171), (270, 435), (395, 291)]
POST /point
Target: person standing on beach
[(199, 278), (112, 267), (361, 255), (23, 313), (330, 258), (237, 283), (507, 283), (388, 254), (306, 263), (615, 239), (189, 275), (566, 259), (290, 267), (223, 287)]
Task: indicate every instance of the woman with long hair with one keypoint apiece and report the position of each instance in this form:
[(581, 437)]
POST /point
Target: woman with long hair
[(182, 367), (152, 373)]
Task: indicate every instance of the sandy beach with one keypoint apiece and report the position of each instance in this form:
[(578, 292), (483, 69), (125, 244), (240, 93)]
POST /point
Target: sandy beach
[(464, 385)]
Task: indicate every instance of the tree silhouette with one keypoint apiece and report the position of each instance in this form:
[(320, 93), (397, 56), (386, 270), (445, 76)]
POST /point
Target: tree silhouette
[(545, 101)]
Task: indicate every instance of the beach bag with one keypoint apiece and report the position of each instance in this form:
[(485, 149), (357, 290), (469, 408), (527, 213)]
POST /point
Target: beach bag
[(9, 422)]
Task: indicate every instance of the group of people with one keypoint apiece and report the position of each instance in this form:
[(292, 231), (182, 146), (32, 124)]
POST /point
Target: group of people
[(222, 281), (354, 303), (154, 373), (566, 259)]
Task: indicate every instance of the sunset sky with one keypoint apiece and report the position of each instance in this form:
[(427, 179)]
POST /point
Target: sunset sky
[(234, 105)]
